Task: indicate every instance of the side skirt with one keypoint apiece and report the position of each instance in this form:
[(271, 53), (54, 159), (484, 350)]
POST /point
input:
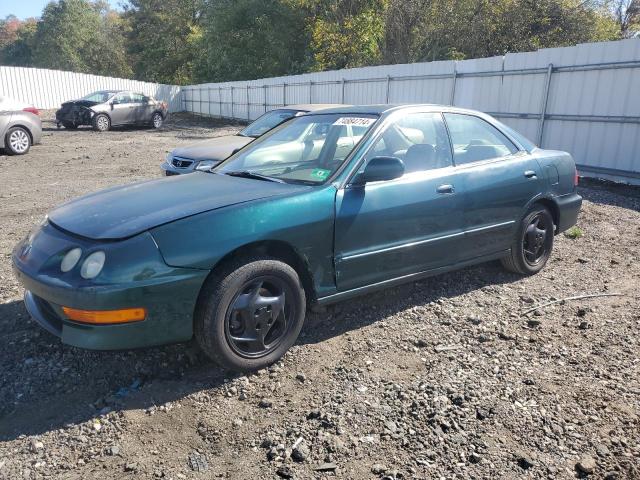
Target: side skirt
[(338, 297)]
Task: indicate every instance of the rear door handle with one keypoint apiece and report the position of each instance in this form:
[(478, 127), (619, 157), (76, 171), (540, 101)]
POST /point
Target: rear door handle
[(445, 189), (530, 174)]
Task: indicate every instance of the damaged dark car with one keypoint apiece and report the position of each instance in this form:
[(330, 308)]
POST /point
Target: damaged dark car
[(108, 108)]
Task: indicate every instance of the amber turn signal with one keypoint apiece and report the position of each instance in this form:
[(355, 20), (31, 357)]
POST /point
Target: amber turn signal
[(105, 317)]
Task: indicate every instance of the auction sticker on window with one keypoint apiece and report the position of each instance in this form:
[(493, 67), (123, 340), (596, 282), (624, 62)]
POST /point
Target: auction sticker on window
[(320, 173), (357, 121)]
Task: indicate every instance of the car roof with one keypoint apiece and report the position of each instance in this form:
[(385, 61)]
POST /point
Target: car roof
[(385, 108), (310, 107)]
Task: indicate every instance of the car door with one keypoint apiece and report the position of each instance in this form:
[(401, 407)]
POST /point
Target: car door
[(398, 227), (143, 108), (5, 117), (499, 181), (122, 109)]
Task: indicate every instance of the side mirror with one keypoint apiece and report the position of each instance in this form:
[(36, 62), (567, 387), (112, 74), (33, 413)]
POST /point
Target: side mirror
[(381, 168)]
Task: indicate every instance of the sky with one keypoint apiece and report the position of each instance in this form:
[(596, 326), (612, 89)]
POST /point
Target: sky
[(30, 8)]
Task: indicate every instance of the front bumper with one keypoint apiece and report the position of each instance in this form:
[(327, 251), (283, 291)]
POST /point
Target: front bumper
[(168, 294), (170, 170)]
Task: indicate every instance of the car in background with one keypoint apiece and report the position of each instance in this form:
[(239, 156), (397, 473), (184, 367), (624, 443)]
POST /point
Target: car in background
[(234, 256), (204, 155), (20, 126), (109, 108)]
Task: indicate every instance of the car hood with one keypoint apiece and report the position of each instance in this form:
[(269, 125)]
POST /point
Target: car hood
[(124, 211), (217, 148), (82, 103)]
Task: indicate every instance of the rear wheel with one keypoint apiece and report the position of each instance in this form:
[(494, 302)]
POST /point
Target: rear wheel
[(156, 120), (101, 123), (533, 243), (250, 313), (17, 141)]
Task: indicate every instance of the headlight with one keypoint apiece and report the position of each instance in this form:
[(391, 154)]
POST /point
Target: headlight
[(70, 259), (205, 165), (92, 266)]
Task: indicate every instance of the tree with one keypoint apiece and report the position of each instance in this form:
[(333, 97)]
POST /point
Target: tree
[(346, 33), (80, 36), (627, 15), (16, 41), (163, 39), (248, 39)]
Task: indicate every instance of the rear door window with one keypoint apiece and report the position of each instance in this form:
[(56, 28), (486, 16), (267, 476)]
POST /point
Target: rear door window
[(475, 139)]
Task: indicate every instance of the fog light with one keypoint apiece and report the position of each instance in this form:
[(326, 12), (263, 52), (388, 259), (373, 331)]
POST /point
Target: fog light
[(92, 266), (105, 317), (70, 259)]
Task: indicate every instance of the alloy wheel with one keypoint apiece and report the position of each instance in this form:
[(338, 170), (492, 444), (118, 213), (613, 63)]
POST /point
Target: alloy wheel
[(157, 120), (103, 123), (259, 317), (534, 242), (19, 141)]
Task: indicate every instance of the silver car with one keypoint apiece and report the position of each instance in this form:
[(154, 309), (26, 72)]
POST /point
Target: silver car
[(208, 153), (20, 126), (108, 108)]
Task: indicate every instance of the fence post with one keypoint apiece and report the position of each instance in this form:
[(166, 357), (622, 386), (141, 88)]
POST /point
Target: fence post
[(219, 101), (453, 87), (310, 91), (284, 94), (264, 91), (543, 107), (232, 113), (209, 100), (248, 107), (388, 86), (200, 101), (343, 82)]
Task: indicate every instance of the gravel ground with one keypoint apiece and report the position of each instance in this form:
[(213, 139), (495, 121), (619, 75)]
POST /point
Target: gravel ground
[(443, 378)]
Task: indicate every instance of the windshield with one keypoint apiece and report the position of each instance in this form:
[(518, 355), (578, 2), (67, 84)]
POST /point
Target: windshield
[(307, 149), (267, 121), (98, 97)]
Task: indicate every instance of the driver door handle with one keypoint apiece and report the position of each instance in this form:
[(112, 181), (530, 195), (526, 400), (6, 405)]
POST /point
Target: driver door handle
[(530, 174), (444, 189)]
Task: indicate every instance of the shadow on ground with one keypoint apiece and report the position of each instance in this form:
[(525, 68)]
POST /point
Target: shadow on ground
[(47, 385)]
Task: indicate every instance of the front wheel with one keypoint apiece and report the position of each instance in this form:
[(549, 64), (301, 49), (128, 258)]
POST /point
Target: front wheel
[(17, 141), (532, 244), (250, 313), (101, 123)]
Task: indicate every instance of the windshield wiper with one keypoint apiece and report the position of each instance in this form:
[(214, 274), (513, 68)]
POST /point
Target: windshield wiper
[(257, 176)]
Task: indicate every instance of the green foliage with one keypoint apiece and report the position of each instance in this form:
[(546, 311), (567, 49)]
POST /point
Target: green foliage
[(163, 38), (247, 39), (188, 41), (17, 39), (574, 233)]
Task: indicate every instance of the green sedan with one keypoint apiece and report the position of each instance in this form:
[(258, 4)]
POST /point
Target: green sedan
[(235, 256)]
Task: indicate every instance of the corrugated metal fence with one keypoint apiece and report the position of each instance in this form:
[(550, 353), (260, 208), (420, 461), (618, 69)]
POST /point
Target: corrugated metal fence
[(49, 88), (583, 99)]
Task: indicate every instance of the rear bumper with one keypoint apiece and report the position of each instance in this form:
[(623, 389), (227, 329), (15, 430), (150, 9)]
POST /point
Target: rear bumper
[(568, 210)]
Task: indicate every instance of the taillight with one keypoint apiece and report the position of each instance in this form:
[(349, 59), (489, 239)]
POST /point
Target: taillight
[(576, 179), (33, 110)]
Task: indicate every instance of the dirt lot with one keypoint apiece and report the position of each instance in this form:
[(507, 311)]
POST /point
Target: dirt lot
[(443, 378)]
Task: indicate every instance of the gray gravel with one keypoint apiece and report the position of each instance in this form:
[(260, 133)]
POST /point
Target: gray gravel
[(442, 378)]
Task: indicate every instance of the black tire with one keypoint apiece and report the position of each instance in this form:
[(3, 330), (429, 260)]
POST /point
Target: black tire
[(157, 120), (101, 122), (533, 242), (17, 141), (69, 125), (241, 298)]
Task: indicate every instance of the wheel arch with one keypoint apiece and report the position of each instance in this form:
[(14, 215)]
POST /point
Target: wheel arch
[(552, 206), (279, 250)]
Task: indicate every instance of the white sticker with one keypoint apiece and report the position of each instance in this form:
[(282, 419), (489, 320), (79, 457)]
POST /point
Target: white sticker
[(357, 121)]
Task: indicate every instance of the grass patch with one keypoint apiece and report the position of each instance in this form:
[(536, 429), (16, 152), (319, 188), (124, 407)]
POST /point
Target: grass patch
[(574, 233)]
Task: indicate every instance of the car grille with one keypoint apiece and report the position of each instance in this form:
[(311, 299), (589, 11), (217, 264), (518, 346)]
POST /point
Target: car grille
[(180, 162)]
